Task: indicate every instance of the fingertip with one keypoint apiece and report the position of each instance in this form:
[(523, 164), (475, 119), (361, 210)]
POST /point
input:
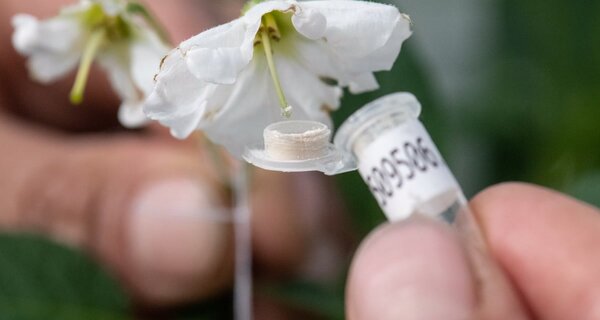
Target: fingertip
[(542, 238), (516, 198), (156, 217), (414, 269), (178, 241)]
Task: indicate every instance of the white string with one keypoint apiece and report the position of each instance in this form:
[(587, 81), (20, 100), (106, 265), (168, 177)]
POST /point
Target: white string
[(243, 245)]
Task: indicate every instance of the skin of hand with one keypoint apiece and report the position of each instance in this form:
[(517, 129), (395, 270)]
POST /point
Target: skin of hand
[(542, 262), (140, 202)]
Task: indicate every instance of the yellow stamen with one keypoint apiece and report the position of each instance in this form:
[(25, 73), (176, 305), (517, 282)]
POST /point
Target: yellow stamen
[(94, 43), (267, 31), (271, 25)]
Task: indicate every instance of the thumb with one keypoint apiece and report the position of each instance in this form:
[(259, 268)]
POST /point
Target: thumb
[(423, 269), (144, 207), (415, 269)]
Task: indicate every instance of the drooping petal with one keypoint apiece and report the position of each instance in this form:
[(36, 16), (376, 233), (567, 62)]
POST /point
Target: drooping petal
[(359, 38), (179, 99), (363, 82), (53, 46), (146, 52), (311, 23), (252, 103), (218, 55), (27, 33), (243, 113), (53, 35), (383, 57), (46, 67), (115, 62), (131, 114), (181, 125), (356, 28)]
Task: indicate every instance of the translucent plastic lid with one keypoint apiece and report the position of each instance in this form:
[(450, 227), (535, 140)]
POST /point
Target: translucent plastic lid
[(376, 117)]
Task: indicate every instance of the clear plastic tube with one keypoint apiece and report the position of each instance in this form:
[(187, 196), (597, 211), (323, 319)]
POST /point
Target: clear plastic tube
[(398, 160)]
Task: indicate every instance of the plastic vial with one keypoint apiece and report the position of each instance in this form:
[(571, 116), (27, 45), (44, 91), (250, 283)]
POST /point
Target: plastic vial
[(398, 160)]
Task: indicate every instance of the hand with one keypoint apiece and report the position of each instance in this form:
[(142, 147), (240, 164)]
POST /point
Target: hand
[(141, 202), (544, 262)]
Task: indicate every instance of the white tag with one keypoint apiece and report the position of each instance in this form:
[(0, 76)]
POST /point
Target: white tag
[(406, 173)]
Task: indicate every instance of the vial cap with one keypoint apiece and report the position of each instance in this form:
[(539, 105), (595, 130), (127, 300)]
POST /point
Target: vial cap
[(399, 104)]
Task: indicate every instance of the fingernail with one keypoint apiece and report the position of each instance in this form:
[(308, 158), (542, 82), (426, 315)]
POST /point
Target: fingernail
[(411, 270), (175, 240)]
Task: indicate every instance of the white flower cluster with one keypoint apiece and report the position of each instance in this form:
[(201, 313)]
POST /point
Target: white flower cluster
[(105, 31), (280, 57), (220, 81)]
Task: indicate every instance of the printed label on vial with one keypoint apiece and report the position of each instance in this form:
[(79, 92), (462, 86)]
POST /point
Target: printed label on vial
[(406, 173)]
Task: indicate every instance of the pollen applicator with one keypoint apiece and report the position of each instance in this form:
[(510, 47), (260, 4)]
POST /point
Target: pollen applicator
[(388, 145), (299, 145)]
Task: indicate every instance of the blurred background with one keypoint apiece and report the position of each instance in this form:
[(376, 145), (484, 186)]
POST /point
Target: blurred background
[(510, 91)]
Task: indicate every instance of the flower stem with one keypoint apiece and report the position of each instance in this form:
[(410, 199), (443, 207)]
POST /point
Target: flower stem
[(269, 26), (91, 48)]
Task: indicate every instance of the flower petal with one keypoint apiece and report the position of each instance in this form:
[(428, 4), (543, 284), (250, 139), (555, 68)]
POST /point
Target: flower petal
[(363, 83), (241, 114), (53, 35), (131, 114), (115, 62), (176, 91), (46, 67), (252, 103), (355, 28), (52, 46), (360, 38), (383, 57), (219, 54), (26, 35), (309, 22), (182, 124), (146, 52), (179, 99)]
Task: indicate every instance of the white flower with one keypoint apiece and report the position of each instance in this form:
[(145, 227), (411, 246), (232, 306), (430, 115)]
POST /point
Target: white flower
[(229, 80), (107, 31)]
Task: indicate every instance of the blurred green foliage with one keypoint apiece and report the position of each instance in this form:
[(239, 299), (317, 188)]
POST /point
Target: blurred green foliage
[(543, 104), (536, 120), (42, 280)]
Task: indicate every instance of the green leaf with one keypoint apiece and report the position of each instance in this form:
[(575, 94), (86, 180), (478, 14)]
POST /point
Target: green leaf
[(43, 280)]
